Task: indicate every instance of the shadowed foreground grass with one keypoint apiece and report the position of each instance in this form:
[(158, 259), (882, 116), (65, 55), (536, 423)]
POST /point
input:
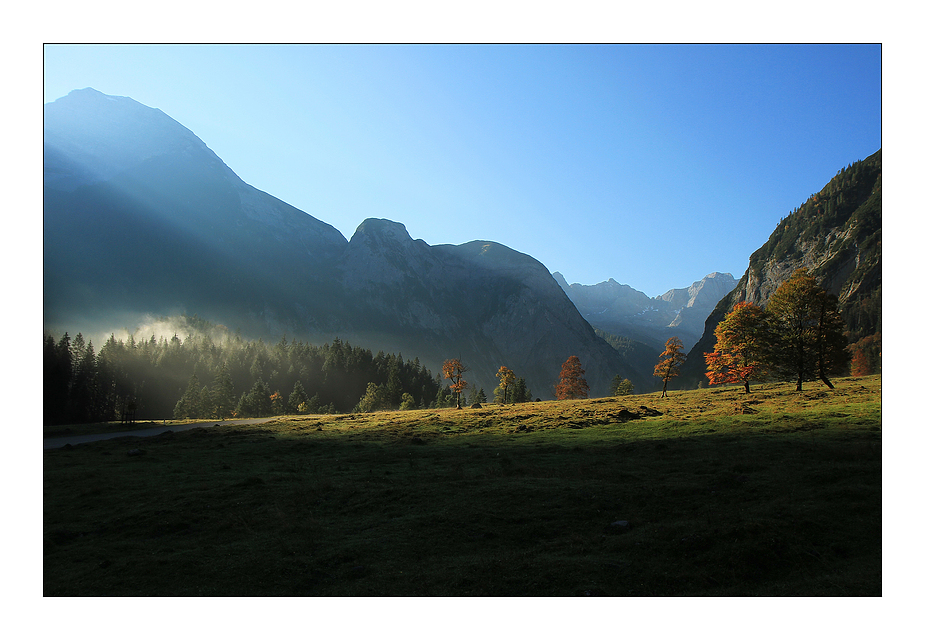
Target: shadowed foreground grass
[(775, 493)]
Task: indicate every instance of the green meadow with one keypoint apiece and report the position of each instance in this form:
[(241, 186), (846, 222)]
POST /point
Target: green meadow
[(708, 492)]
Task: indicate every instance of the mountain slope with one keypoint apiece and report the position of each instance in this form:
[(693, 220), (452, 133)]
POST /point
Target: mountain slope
[(836, 234), (481, 301), (620, 310), (142, 218)]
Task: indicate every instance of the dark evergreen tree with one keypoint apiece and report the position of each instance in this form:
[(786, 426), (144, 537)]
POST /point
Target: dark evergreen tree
[(297, 398), (520, 392), (223, 393), (188, 405), (57, 379)]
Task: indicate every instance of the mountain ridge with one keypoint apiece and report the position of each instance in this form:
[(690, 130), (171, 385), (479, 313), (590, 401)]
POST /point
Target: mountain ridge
[(159, 227), (621, 310)]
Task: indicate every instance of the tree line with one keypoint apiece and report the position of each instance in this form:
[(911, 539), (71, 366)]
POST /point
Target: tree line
[(203, 377), (798, 336), (199, 377)]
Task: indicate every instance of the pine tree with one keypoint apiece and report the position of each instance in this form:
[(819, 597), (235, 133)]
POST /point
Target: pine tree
[(615, 384), (206, 403), (188, 405), (297, 398), (520, 392), (57, 379), (223, 393)]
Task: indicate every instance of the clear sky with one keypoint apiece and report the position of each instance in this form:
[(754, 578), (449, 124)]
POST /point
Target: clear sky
[(653, 165)]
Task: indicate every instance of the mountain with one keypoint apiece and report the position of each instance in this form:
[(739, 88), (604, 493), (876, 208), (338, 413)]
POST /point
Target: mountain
[(141, 218), (620, 310), (836, 234)]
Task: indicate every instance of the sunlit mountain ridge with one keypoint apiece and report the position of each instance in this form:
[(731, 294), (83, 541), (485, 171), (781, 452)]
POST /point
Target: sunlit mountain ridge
[(142, 219)]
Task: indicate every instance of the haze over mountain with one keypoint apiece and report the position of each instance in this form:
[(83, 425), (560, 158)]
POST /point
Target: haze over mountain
[(142, 218), (620, 310)]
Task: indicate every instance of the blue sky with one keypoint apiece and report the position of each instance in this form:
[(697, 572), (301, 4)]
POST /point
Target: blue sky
[(653, 165)]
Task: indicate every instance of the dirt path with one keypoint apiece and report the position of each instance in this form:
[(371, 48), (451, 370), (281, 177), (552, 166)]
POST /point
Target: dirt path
[(55, 443)]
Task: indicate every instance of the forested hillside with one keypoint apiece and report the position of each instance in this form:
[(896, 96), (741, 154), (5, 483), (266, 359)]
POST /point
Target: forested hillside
[(836, 235), (204, 377)]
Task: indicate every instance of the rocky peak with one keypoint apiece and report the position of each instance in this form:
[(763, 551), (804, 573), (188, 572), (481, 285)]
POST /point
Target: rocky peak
[(381, 251), (703, 293)]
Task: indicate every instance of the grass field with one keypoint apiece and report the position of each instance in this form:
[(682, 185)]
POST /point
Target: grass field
[(707, 492), (59, 431)]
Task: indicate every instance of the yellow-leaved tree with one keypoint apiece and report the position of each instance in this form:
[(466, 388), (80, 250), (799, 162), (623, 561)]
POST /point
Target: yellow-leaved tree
[(506, 379), (453, 370)]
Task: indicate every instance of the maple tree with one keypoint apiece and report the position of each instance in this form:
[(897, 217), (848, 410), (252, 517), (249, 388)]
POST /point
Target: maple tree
[(453, 370), (670, 360), (572, 383), (860, 365), (506, 378), (742, 346), (808, 332), (866, 353)]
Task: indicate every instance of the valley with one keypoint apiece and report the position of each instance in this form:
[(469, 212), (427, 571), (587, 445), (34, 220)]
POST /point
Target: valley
[(703, 493)]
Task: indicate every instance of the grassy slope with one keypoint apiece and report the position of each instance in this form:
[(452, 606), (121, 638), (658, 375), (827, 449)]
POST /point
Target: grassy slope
[(776, 493)]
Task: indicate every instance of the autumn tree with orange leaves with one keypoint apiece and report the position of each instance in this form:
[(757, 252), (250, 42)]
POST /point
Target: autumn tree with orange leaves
[(572, 383), (453, 371), (742, 346), (670, 361), (865, 353)]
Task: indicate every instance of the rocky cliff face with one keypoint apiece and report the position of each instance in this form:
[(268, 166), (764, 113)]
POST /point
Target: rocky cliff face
[(836, 235), (620, 310), (481, 301)]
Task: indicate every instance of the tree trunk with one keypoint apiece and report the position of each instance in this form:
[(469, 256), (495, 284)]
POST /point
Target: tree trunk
[(826, 381), (746, 387), (664, 388)]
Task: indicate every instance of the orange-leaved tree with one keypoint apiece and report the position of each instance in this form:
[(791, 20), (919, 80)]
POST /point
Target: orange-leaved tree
[(506, 377), (453, 371), (670, 361), (865, 355), (742, 346), (572, 383)]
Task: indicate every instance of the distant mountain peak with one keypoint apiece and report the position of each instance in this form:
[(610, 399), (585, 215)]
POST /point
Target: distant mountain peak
[(621, 310)]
